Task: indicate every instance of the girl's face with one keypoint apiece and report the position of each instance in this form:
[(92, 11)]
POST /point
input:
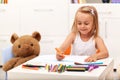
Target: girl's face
[(84, 23)]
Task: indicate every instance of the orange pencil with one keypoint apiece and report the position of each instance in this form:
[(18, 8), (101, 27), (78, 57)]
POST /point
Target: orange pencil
[(59, 52), (31, 68)]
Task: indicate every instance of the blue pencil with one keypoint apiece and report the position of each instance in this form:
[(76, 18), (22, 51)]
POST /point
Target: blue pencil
[(97, 63)]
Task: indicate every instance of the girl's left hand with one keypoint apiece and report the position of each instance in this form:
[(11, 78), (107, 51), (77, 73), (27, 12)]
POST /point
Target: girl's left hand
[(91, 59)]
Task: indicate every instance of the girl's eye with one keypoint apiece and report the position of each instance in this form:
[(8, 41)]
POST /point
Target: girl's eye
[(19, 46), (79, 23), (86, 23), (31, 44)]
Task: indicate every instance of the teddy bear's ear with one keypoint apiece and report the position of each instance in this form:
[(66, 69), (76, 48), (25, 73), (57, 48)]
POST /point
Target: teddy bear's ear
[(14, 37), (36, 35)]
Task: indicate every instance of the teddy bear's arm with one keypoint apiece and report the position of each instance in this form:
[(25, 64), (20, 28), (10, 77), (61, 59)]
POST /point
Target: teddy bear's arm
[(10, 64), (22, 60)]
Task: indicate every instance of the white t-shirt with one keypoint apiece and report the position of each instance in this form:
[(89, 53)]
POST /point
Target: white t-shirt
[(80, 47)]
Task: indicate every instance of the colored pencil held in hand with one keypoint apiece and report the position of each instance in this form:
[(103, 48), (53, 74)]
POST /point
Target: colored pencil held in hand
[(60, 52)]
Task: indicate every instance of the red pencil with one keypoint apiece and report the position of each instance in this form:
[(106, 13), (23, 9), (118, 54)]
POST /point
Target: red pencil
[(31, 68)]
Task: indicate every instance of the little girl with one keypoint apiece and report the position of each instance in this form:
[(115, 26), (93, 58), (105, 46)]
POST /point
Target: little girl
[(84, 38)]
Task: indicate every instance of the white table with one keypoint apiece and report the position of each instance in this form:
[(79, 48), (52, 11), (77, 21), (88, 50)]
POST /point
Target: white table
[(100, 73)]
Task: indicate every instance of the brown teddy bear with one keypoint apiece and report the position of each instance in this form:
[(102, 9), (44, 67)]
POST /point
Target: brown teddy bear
[(24, 48)]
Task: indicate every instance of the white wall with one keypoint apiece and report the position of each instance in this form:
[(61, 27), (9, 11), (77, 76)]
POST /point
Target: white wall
[(49, 17)]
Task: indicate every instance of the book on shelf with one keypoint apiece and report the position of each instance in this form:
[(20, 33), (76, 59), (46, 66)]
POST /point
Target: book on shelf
[(78, 1), (3, 1), (115, 1)]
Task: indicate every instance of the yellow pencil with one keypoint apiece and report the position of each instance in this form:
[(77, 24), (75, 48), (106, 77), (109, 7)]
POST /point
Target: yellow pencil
[(60, 68), (47, 67)]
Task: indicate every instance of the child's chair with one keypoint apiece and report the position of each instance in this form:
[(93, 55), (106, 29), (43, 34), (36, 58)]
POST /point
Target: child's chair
[(6, 55), (118, 72), (68, 51)]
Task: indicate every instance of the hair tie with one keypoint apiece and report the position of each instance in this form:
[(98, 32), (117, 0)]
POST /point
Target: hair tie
[(92, 11)]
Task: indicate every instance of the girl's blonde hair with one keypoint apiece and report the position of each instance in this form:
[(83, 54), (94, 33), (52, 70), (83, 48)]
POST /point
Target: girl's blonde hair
[(88, 10)]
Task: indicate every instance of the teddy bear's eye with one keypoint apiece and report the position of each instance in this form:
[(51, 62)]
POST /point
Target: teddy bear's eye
[(19, 46), (31, 44)]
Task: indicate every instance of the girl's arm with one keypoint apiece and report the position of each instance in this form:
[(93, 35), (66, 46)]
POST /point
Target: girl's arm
[(103, 52), (68, 41)]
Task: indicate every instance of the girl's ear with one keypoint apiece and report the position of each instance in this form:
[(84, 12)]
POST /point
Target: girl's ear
[(36, 35), (14, 37)]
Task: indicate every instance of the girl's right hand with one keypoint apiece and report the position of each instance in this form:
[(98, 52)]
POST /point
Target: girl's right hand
[(60, 56)]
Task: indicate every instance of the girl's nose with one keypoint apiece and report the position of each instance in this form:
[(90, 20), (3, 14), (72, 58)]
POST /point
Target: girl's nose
[(82, 25)]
